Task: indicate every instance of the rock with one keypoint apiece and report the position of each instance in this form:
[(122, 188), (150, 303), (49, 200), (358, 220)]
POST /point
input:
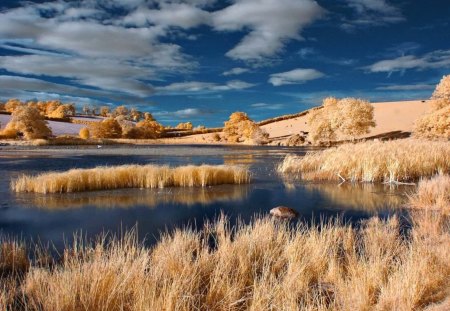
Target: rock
[(283, 212)]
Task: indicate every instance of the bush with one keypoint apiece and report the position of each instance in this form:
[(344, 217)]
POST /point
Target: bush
[(108, 128), (343, 119), (62, 112), (436, 123), (104, 111), (121, 111), (84, 133), (28, 122)]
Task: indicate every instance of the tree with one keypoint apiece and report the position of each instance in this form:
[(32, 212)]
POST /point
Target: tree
[(240, 127), (127, 126), (108, 128), (344, 118), (121, 111), (12, 104), (148, 129), (148, 116), (441, 94), (184, 126), (84, 133), (29, 122), (135, 115), (436, 123), (2, 106), (62, 112), (104, 111), (353, 117), (86, 109)]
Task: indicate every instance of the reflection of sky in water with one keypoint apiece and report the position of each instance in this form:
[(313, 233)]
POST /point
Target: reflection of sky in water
[(57, 216)]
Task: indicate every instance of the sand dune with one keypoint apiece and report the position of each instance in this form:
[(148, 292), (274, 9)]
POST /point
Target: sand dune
[(389, 116)]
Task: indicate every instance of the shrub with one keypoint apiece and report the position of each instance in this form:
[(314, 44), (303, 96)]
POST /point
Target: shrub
[(344, 118), (135, 115), (127, 127), (148, 116), (84, 133), (441, 94), (28, 122), (108, 128)]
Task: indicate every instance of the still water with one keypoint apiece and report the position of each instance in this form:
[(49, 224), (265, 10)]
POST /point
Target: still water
[(56, 217)]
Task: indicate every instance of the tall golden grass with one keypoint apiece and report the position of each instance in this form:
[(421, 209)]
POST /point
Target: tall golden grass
[(131, 176), (392, 161), (266, 265), (433, 194)]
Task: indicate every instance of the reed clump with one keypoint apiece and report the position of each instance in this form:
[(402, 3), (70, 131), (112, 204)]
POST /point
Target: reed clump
[(432, 194), (131, 176), (373, 161), (265, 265)]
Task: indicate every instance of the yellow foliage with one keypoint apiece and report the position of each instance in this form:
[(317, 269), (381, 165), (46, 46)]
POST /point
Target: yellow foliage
[(149, 129), (12, 104), (84, 133), (240, 128), (184, 126), (343, 119), (108, 128), (29, 122)]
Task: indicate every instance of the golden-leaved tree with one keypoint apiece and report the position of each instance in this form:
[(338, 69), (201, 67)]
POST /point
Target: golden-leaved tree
[(346, 118), (108, 128), (28, 122), (240, 128), (436, 123), (148, 129)]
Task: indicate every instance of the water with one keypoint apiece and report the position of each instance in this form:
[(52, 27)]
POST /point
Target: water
[(55, 218)]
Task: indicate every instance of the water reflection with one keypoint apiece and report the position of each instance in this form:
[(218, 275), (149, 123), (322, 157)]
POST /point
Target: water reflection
[(150, 198), (358, 196), (244, 159)]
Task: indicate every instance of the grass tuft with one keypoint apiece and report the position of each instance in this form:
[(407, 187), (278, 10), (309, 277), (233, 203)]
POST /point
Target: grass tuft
[(131, 176), (392, 161)]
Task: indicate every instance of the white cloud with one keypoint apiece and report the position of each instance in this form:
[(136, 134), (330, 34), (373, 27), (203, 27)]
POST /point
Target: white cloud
[(372, 13), (264, 106), (15, 84), (183, 113), (296, 76), (271, 23), (432, 60), (235, 71), (203, 87)]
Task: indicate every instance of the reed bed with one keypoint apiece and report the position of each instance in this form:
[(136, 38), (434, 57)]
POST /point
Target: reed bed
[(131, 176), (266, 265), (391, 162), (432, 194)]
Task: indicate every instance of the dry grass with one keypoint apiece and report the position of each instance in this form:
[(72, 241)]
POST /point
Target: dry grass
[(131, 176), (266, 265), (433, 194), (392, 161)]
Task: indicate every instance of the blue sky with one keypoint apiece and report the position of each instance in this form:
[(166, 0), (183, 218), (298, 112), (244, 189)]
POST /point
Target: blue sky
[(200, 60)]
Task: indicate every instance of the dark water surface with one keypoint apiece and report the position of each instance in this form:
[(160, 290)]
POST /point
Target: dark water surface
[(56, 217)]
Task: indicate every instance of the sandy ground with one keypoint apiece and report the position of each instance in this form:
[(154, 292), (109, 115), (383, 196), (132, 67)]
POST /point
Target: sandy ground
[(389, 116)]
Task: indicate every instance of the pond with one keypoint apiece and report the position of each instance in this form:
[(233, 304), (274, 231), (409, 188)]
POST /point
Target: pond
[(56, 217)]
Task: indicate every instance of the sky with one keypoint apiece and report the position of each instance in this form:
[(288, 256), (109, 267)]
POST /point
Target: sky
[(201, 60)]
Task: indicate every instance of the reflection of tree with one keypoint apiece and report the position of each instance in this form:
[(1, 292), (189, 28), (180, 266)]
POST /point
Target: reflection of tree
[(243, 159), (362, 196), (129, 198)]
